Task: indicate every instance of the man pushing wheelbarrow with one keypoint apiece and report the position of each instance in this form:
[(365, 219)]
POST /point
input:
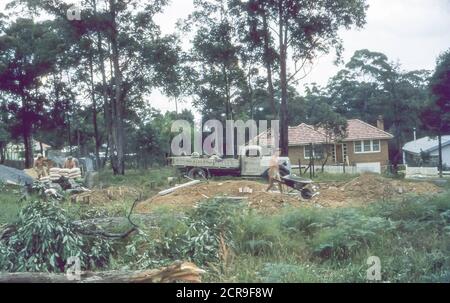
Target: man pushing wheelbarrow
[(291, 181)]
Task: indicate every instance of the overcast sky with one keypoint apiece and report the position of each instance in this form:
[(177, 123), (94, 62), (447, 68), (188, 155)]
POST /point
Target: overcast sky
[(412, 32)]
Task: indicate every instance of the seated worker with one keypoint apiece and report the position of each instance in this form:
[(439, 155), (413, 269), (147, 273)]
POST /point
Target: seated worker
[(70, 163), (40, 166)]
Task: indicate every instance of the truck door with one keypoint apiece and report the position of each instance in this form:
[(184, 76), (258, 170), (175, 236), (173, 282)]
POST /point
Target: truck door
[(251, 163)]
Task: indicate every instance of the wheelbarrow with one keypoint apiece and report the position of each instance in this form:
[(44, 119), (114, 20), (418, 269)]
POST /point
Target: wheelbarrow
[(299, 184)]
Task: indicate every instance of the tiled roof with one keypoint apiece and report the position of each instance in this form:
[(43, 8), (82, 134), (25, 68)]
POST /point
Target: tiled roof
[(360, 130), (305, 134)]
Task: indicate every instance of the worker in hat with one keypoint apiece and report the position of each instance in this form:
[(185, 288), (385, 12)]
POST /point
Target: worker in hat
[(70, 163), (40, 166)]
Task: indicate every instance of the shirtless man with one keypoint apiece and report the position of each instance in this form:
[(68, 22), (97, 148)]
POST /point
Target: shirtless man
[(70, 163), (39, 166), (274, 171)]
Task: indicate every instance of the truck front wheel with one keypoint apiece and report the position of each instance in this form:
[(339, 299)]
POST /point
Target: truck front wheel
[(198, 173)]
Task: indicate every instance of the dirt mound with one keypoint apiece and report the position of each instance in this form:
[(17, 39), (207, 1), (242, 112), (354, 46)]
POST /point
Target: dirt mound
[(253, 192), (364, 189), (102, 196), (369, 188)]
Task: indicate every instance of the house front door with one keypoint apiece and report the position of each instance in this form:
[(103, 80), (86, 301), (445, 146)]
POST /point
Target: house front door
[(339, 154)]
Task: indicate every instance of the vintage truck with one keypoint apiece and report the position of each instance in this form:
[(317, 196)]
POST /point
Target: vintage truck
[(251, 163)]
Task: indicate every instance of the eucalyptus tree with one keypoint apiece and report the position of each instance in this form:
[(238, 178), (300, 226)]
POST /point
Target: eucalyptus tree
[(294, 32), (370, 85), (27, 56), (436, 115), (126, 57)]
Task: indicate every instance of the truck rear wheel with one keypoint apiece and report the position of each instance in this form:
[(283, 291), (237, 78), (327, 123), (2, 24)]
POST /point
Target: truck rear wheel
[(198, 173)]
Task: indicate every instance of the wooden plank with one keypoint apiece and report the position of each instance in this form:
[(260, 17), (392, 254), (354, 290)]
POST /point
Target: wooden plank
[(171, 190)]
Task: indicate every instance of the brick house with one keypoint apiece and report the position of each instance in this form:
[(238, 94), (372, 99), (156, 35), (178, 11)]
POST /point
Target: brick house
[(362, 144)]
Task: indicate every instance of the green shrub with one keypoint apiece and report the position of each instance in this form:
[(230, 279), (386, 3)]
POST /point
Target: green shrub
[(347, 233), (414, 265), (306, 221), (45, 238), (195, 237), (257, 235)]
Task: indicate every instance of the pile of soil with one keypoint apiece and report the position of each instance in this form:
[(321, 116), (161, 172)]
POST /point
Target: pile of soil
[(370, 188), (190, 196), (113, 193)]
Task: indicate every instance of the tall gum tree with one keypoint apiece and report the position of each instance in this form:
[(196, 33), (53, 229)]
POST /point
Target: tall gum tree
[(301, 30)]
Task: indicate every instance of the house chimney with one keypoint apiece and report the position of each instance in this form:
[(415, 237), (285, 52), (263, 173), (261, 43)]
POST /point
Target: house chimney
[(380, 122)]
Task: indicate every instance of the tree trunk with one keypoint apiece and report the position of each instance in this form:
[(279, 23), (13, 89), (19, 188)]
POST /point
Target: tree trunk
[(117, 121), (440, 156), (2, 152), (94, 113), (268, 61), (284, 128), (106, 103), (28, 145), (179, 271), (26, 134)]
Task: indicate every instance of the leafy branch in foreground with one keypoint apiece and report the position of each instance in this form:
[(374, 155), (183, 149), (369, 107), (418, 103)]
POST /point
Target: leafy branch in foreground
[(43, 240)]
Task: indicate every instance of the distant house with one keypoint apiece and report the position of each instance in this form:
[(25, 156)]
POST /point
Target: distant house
[(425, 152), (16, 151), (364, 145)]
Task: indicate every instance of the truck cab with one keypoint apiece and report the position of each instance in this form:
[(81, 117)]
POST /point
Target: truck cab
[(253, 163)]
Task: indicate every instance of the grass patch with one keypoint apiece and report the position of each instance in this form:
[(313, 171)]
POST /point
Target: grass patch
[(9, 204), (411, 238), (145, 180)]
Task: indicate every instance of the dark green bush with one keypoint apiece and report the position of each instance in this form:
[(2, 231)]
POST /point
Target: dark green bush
[(306, 221), (257, 235), (195, 237), (45, 238), (347, 233)]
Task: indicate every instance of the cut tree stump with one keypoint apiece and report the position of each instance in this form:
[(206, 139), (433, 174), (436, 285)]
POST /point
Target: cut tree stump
[(179, 271)]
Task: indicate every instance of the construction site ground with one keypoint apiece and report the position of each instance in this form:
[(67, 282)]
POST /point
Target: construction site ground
[(367, 188)]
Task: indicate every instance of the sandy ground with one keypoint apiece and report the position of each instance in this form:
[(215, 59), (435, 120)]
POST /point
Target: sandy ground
[(362, 190)]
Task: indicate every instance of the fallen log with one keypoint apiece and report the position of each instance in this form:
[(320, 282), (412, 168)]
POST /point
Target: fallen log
[(171, 190), (177, 272)]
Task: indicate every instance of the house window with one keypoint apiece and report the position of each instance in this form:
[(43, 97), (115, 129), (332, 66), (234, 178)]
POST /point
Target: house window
[(367, 146), (307, 152), (317, 152), (358, 147), (376, 145)]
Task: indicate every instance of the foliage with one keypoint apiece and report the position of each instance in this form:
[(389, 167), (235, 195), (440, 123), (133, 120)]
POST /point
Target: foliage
[(348, 233), (305, 221), (44, 240), (10, 207), (371, 85), (196, 237), (257, 235)]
